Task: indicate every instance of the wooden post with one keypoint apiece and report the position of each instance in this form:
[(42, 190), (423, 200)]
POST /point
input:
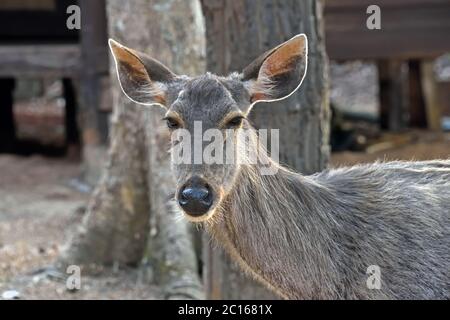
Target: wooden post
[(393, 84), (430, 92), (71, 123), (417, 114), (94, 69)]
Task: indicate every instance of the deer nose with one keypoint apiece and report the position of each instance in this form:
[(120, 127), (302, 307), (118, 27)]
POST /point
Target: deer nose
[(195, 199)]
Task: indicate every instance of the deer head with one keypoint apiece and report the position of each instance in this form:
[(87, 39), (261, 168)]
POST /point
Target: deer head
[(198, 106)]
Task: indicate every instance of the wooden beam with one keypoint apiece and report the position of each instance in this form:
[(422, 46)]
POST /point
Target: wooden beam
[(40, 60), (430, 92), (71, 122), (417, 114), (95, 65), (46, 5), (409, 29), (393, 86), (36, 21), (345, 4)]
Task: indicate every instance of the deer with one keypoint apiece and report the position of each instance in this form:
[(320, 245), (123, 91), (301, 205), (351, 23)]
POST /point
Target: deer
[(303, 236)]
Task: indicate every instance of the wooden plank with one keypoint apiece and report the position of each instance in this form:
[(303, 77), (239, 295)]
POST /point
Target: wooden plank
[(30, 25), (346, 4), (35, 5), (417, 115), (42, 60), (430, 93), (415, 31), (393, 85), (354, 46), (444, 97), (71, 123), (95, 65)]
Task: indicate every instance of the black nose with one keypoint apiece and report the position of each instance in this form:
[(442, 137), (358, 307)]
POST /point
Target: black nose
[(195, 198)]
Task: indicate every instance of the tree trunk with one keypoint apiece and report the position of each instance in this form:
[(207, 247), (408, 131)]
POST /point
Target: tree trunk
[(237, 32), (133, 195)]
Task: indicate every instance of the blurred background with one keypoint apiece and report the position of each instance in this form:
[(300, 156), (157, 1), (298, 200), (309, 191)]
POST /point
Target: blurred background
[(377, 94)]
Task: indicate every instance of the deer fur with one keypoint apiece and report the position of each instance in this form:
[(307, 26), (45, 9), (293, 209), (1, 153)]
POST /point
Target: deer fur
[(313, 237)]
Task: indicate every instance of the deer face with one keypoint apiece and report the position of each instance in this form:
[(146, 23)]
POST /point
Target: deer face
[(209, 111)]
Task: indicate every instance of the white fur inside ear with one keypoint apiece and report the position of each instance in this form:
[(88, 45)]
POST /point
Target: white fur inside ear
[(263, 87), (146, 92), (153, 89)]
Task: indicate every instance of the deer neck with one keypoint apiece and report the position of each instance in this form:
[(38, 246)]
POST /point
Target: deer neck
[(271, 225)]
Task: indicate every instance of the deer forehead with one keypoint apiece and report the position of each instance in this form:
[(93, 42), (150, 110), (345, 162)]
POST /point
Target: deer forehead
[(205, 99)]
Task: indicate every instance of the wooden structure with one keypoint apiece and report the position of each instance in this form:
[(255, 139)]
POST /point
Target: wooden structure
[(35, 21), (35, 42), (413, 32)]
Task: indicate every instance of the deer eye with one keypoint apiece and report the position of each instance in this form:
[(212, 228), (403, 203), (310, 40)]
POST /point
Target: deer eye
[(172, 123), (235, 122)]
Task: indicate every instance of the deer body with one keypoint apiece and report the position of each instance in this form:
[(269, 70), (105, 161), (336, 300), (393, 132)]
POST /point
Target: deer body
[(313, 237), (305, 237)]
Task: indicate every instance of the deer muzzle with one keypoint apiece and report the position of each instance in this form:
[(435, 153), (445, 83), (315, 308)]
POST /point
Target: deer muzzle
[(195, 197)]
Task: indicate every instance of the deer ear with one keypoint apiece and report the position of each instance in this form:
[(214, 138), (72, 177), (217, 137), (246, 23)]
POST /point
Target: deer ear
[(279, 72), (143, 79)]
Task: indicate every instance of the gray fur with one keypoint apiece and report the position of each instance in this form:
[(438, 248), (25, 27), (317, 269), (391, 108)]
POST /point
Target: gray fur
[(313, 237)]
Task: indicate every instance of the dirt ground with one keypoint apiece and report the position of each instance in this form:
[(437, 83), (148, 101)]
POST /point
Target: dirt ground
[(39, 206), (41, 202), (412, 145)]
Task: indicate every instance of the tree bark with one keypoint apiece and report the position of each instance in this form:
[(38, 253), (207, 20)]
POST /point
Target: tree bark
[(237, 32), (133, 195)]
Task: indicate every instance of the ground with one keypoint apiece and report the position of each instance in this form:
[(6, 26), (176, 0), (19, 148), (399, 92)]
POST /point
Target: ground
[(41, 201), (415, 145), (39, 206)]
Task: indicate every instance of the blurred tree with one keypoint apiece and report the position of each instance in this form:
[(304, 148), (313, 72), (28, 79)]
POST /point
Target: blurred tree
[(129, 216), (237, 32)]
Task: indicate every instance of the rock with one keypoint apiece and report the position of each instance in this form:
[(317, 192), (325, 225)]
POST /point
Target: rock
[(80, 186), (10, 295)]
